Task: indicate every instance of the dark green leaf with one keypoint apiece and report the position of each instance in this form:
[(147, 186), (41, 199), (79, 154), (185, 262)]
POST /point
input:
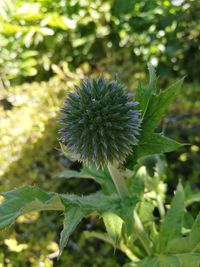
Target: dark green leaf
[(156, 144), (153, 107), (30, 198), (101, 176), (128, 206), (144, 93), (156, 108), (94, 202), (72, 217), (26, 199)]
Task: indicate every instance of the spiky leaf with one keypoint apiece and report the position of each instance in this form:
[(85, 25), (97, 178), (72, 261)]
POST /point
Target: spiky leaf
[(30, 198), (26, 199), (153, 106), (101, 176), (72, 217), (156, 144), (157, 106)]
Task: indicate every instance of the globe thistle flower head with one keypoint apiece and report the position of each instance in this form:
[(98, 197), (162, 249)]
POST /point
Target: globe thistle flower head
[(100, 124)]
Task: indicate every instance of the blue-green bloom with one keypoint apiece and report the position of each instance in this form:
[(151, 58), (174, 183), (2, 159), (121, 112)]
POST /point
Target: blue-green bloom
[(100, 123)]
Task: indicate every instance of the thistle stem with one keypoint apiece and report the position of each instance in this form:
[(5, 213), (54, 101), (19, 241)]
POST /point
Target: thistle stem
[(123, 192), (141, 234), (118, 180)]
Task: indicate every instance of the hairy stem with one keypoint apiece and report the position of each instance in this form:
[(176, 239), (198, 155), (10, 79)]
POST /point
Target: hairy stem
[(118, 180), (141, 234)]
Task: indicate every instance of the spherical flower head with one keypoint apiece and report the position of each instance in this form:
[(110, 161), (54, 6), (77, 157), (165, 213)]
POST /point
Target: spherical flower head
[(100, 124)]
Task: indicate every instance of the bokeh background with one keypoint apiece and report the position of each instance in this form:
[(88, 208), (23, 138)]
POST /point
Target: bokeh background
[(47, 46)]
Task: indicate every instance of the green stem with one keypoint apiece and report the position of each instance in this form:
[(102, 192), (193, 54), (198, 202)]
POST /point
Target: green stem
[(118, 180), (142, 235), (123, 192), (160, 206), (128, 252)]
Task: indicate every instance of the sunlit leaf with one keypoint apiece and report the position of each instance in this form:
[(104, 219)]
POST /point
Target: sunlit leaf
[(113, 224)]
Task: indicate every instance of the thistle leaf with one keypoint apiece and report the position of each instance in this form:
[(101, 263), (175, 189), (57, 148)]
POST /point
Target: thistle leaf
[(26, 199), (128, 206), (153, 107), (113, 224), (100, 176), (171, 227), (72, 217), (156, 144), (157, 106), (144, 93), (30, 198), (93, 202)]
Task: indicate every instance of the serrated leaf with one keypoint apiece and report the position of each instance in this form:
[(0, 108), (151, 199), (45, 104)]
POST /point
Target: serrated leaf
[(144, 93), (153, 107), (94, 202), (156, 144), (72, 217), (157, 106), (26, 199), (171, 227), (30, 198), (113, 224), (101, 176)]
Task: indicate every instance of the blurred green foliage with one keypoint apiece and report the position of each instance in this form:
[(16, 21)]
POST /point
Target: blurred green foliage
[(28, 127), (37, 35)]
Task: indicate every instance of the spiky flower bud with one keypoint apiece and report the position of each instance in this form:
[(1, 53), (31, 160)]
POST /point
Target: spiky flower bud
[(100, 124)]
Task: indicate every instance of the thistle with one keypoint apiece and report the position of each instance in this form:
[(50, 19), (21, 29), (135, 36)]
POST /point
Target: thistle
[(100, 124)]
